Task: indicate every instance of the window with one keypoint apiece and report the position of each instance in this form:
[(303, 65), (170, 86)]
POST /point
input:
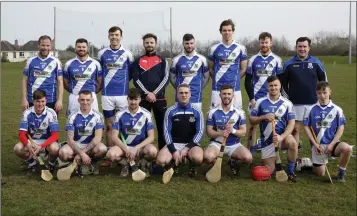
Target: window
[(4, 54), (22, 54), (14, 54)]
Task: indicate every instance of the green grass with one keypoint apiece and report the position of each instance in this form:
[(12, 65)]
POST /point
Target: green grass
[(102, 195)]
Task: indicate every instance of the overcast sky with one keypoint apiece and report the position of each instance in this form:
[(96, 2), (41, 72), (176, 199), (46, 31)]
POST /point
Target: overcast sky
[(28, 20)]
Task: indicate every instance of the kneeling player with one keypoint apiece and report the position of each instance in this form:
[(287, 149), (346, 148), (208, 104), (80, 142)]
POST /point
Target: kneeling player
[(226, 120), (274, 107), (41, 124), (183, 130), (327, 121), (136, 126), (84, 134)]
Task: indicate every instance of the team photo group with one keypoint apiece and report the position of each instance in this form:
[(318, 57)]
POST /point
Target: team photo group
[(284, 98)]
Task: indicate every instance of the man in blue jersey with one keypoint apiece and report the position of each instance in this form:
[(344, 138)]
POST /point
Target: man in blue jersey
[(115, 61), (184, 130), (82, 73), (84, 134), (43, 72), (260, 67), (227, 64), (328, 122), (301, 73), (191, 68), (136, 125), (227, 121), (41, 124), (274, 107)]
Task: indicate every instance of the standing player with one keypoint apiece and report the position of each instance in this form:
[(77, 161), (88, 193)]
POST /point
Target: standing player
[(115, 61), (299, 79), (151, 75), (226, 120), (43, 72), (274, 107), (184, 129), (82, 73), (260, 67), (190, 68), (40, 122), (136, 126), (328, 122), (84, 133), (227, 65)]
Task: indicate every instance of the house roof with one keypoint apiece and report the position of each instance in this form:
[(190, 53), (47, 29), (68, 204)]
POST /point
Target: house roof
[(7, 46), (29, 46)]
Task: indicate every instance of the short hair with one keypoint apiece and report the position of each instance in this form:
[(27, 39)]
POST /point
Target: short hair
[(272, 78), (183, 85), (38, 94), (85, 92), (302, 39), (226, 23), (264, 35), (44, 37), (114, 29), (224, 87), (150, 35), (322, 85), (134, 93), (81, 40), (187, 37)]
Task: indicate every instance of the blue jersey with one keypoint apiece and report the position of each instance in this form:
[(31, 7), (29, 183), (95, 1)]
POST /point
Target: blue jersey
[(324, 120), (261, 67), (42, 74), (84, 127), (134, 127), (115, 65), (190, 70), (39, 126), (82, 75), (218, 119), (226, 64), (283, 110)]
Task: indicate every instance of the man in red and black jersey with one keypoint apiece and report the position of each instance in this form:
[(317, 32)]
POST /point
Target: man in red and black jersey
[(150, 73)]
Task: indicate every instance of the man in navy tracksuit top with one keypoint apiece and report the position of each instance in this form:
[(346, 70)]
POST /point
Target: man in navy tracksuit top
[(150, 73), (299, 80)]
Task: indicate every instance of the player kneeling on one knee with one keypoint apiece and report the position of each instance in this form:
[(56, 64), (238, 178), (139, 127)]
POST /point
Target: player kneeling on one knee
[(41, 124), (136, 127), (226, 119), (183, 130), (84, 133), (327, 122), (274, 107)]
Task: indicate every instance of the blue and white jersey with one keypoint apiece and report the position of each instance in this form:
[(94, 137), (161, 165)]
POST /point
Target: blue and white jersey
[(134, 127), (261, 67), (190, 70), (84, 126), (283, 110), (226, 64), (42, 74), (115, 65), (324, 120), (219, 119), (39, 126), (82, 75)]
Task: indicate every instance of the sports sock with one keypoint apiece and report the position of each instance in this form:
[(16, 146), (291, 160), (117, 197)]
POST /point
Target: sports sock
[(31, 162), (291, 166), (341, 171)]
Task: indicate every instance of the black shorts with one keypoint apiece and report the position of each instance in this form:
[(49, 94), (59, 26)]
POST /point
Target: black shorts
[(332, 153), (50, 105)]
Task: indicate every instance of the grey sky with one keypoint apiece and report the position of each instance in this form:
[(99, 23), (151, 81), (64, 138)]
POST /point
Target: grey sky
[(28, 20)]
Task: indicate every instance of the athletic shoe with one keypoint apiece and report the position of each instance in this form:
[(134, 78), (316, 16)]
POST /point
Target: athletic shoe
[(31, 169), (52, 166), (157, 169), (124, 171), (235, 168), (95, 168), (340, 178), (292, 177), (193, 171), (145, 167)]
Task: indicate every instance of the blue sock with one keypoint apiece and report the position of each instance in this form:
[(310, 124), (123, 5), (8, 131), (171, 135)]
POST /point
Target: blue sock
[(291, 166), (341, 171)]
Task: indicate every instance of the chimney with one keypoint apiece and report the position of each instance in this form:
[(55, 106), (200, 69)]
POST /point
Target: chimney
[(16, 43)]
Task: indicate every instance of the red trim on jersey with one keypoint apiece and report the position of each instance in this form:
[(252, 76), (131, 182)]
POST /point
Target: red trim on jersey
[(148, 62)]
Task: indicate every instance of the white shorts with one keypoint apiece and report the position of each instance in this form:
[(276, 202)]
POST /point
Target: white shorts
[(269, 151), (300, 111), (180, 146), (216, 99), (111, 102), (198, 105), (317, 158), (73, 104), (228, 150)]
